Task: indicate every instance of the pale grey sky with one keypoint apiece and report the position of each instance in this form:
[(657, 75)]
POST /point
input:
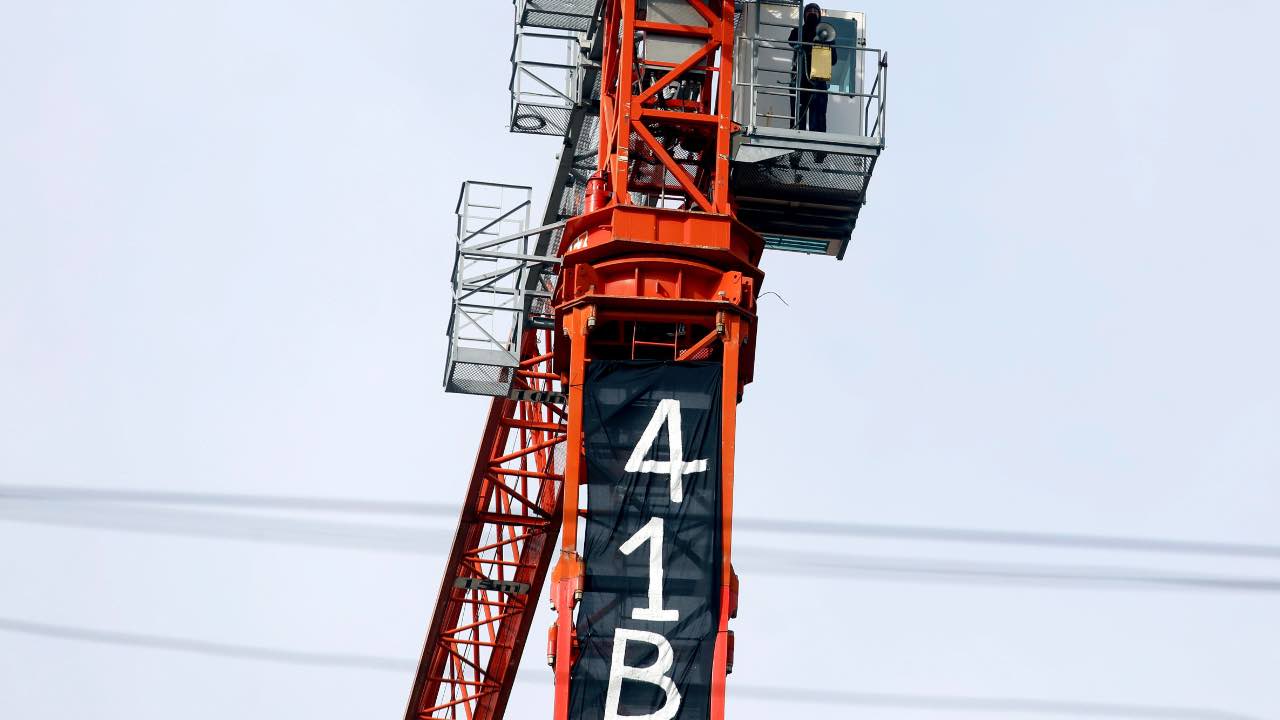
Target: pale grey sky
[(225, 237)]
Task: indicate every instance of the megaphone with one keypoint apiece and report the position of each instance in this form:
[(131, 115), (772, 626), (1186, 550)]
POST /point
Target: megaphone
[(825, 33)]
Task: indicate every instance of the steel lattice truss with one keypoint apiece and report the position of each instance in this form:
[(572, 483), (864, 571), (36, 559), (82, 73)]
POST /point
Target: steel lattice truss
[(505, 540)]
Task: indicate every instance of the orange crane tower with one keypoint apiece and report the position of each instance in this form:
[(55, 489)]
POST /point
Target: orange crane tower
[(617, 336)]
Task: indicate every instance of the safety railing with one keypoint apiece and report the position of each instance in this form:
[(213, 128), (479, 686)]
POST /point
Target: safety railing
[(544, 81), (498, 287), (772, 94)]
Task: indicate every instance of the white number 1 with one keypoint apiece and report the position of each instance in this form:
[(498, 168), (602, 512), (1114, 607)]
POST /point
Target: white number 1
[(651, 533)]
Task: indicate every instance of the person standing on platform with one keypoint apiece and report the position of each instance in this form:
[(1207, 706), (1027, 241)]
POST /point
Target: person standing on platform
[(810, 87)]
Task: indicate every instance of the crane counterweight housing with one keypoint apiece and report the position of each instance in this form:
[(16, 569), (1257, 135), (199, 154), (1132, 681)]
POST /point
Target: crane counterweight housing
[(616, 333)]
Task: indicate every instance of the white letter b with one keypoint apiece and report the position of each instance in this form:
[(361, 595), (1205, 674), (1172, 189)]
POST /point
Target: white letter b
[(655, 674)]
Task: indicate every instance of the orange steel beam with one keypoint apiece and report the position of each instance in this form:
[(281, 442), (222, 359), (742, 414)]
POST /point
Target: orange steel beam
[(698, 347), (627, 112), (632, 264), (500, 555), (567, 578), (681, 68), (620, 88), (733, 340)]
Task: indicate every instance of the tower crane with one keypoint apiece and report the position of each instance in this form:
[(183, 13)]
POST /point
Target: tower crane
[(616, 332)]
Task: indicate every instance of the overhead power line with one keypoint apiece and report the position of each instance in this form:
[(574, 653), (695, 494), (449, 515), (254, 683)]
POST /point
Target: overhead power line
[(769, 525), (941, 703), (839, 565), (1006, 537), (756, 560), (226, 500), (350, 661)]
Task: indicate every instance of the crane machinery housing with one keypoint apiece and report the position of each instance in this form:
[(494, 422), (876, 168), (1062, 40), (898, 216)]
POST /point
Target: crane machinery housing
[(615, 334)]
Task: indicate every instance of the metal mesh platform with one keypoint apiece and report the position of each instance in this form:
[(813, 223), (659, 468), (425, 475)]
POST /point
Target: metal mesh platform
[(805, 200), (477, 373), (573, 15), (539, 119)]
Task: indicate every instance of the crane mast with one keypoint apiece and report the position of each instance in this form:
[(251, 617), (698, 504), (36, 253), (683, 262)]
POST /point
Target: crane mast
[(657, 267), (617, 335)]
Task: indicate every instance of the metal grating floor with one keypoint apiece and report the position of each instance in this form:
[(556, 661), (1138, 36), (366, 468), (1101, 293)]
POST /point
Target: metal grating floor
[(805, 200), (572, 15)]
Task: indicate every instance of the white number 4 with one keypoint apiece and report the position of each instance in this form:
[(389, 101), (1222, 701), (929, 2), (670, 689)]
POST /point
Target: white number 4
[(668, 412)]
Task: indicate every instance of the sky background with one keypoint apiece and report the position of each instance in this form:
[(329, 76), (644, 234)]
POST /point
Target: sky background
[(225, 242)]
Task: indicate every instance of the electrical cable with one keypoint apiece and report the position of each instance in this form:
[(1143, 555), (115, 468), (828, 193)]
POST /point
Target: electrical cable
[(770, 525), (749, 559), (787, 694)]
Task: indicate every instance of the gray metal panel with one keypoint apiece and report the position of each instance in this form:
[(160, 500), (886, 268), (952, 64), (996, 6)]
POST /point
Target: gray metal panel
[(673, 12), (481, 356), (670, 48), (785, 138)]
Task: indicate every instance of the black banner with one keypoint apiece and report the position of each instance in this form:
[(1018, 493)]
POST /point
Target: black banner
[(650, 607)]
